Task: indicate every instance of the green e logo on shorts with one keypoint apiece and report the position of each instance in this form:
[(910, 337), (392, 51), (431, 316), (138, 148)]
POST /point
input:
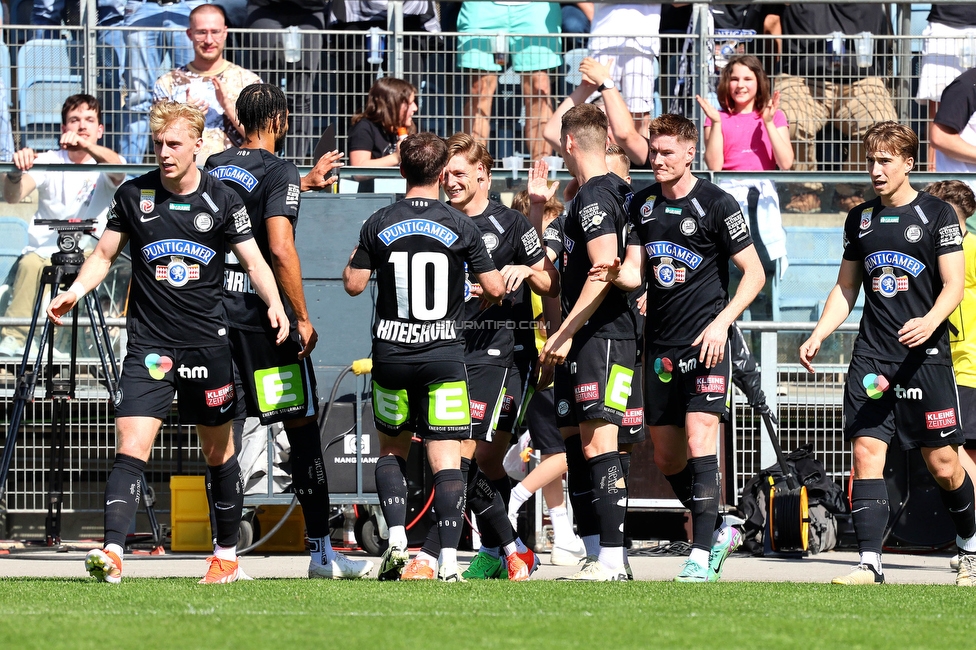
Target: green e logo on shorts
[(279, 388), (448, 404), (619, 387), (390, 406)]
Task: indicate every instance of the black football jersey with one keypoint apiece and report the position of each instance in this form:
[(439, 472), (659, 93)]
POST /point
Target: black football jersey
[(526, 324), (270, 187), (489, 337), (898, 250), (688, 243), (599, 208), (418, 248), (178, 245)]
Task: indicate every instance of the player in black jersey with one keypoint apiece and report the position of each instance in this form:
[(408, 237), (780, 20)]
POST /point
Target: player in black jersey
[(489, 343), (905, 247), (276, 382), (594, 347), (542, 315), (418, 248), (689, 229), (180, 224)]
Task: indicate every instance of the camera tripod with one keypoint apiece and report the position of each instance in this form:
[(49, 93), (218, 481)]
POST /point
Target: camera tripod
[(64, 268)]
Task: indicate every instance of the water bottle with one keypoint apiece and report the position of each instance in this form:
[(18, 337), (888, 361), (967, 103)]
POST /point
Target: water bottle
[(293, 45), (376, 44), (865, 50), (501, 50)]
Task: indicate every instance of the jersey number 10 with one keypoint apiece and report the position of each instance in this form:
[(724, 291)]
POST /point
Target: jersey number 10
[(412, 288)]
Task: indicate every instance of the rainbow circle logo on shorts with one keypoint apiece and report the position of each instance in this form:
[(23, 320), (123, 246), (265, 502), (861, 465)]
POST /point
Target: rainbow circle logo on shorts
[(875, 385), (663, 368), (158, 366)]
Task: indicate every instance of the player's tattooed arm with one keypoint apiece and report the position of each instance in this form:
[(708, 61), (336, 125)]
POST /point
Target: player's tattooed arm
[(354, 280), (263, 281), (93, 271), (952, 268), (839, 304)]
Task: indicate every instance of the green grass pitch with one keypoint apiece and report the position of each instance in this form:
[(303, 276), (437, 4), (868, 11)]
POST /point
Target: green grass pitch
[(285, 614)]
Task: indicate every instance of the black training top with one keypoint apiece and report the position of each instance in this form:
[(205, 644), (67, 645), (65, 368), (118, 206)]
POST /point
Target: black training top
[(598, 209), (489, 338), (270, 187), (418, 249), (178, 245), (688, 243), (899, 250)]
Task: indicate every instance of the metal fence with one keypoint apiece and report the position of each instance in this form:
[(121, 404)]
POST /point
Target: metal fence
[(808, 407), (327, 78)]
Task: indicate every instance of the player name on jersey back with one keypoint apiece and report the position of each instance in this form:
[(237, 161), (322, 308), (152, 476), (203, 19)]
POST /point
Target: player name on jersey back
[(416, 333)]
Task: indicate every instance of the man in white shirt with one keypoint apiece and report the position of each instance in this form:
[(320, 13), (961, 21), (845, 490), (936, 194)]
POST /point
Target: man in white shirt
[(60, 195)]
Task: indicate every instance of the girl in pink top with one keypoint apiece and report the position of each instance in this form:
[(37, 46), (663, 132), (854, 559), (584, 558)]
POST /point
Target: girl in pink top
[(750, 133)]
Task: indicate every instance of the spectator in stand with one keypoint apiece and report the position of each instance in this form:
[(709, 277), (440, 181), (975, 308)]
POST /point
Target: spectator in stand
[(953, 130), (296, 78), (210, 82), (376, 132), (356, 68), (146, 50), (750, 133), (734, 27), (629, 58), (577, 18), (483, 51), (823, 82), (946, 52)]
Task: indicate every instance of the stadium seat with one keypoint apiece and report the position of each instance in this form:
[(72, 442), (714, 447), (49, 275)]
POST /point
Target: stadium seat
[(45, 79), (815, 255)]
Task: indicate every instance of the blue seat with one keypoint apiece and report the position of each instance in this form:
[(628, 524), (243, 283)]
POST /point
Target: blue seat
[(45, 79)]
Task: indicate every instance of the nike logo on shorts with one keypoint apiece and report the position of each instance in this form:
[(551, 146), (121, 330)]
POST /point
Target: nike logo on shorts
[(223, 409), (143, 218), (946, 434), (712, 398), (635, 430)]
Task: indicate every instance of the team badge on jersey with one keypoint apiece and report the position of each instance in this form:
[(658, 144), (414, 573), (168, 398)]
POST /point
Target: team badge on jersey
[(147, 201), (866, 218), (688, 226), (667, 274), (203, 222), (888, 284), (491, 241), (178, 272), (913, 233)]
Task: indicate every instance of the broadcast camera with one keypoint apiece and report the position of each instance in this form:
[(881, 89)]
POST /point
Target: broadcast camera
[(69, 238)]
